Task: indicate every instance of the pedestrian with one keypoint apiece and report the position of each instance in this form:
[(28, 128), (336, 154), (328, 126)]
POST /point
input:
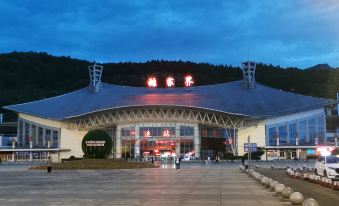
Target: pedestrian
[(152, 159), (177, 163), (243, 161), (217, 159), (246, 163), (49, 164)]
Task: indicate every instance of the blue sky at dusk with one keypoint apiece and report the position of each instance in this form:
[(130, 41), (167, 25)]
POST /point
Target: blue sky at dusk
[(298, 33)]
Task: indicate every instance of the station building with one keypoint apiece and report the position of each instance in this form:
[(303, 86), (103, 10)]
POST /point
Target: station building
[(195, 121)]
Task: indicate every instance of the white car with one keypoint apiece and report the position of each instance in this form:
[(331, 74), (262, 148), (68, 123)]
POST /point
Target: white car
[(327, 166)]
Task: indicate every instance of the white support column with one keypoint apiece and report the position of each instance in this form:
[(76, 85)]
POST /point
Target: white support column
[(22, 140), (13, 154), (137, 143), (30, 153), (118, 143), (30, 132), (44, 137), (51, 138), (36, 135), (177, 140), (196, 141), (18, 130), (307, 131)]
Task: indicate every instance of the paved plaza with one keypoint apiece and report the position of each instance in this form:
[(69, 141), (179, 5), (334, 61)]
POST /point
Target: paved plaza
[(193, 185)]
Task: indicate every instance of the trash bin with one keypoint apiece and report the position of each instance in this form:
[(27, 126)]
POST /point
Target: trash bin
[(49, 169)]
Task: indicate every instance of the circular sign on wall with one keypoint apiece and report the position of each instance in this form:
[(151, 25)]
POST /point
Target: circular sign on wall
[(97, 144)]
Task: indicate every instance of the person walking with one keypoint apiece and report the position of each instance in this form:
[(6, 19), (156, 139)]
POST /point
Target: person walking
[(177, 163), (49, 164), (217, 159)]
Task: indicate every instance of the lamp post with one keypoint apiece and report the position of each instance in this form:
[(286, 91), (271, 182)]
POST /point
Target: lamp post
[(297, 144), (278, 145)]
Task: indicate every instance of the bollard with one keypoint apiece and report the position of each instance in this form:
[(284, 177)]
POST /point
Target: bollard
[(268, 183), (279, 188), (296, 198), (272, 185), (286, 192), (310, 202)]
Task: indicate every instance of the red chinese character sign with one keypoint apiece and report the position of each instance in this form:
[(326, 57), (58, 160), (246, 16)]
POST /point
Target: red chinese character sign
[(166, 133), (152, 82), (188, 81), (147, 133), (170, 82)]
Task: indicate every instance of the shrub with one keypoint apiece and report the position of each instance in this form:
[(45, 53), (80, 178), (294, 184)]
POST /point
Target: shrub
[(96, 144), (255, 155)]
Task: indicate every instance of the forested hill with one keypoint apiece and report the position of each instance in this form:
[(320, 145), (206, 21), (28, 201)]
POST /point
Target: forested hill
[(27, 76)]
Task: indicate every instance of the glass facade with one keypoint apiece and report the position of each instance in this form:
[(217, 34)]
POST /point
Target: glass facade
[(156, 131), (38, 134), (186, 131), (272, 136), (282, 134), (55, 139), (310, 131), (216, 141), (302, 132), (292, 133), (166, 141)]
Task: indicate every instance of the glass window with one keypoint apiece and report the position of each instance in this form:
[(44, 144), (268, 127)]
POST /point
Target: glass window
[(302, 130), (321, 131), (20, 139), (34, 135), (55, 139), (186, 131), (272, 136), (292, 133), (312, 130), (27, 137), (332, 159), (128, 132), (282, 134), (47, 137), (40, 136)]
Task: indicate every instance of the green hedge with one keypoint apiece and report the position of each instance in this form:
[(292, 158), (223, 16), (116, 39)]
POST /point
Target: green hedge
[(91, 144)]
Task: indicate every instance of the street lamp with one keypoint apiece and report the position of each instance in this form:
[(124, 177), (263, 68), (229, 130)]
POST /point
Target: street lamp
[(297, 144), (277, 137)]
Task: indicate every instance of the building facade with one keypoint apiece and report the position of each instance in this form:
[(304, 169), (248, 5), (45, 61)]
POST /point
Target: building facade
[(195, 122)]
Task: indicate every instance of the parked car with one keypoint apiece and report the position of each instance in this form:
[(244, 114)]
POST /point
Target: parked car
[(327, 166)]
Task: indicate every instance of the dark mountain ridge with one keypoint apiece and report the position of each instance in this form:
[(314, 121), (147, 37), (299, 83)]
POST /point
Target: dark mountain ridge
[(28, 76)]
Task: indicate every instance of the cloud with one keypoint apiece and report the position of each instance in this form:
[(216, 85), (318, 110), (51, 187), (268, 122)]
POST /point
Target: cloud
[(221, 32)]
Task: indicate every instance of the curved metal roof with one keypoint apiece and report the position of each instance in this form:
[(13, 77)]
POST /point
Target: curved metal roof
[(229, 98)]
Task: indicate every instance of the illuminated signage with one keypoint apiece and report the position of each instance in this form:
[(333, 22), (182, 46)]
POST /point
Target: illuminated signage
[(92, 143), (325, 151), (188, 81), (170, 82), (147, 133), (230, 141), (166, 133), (152, 82)]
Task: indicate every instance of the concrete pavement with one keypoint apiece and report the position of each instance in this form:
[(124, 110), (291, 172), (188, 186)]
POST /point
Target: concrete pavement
[(193, 185)]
